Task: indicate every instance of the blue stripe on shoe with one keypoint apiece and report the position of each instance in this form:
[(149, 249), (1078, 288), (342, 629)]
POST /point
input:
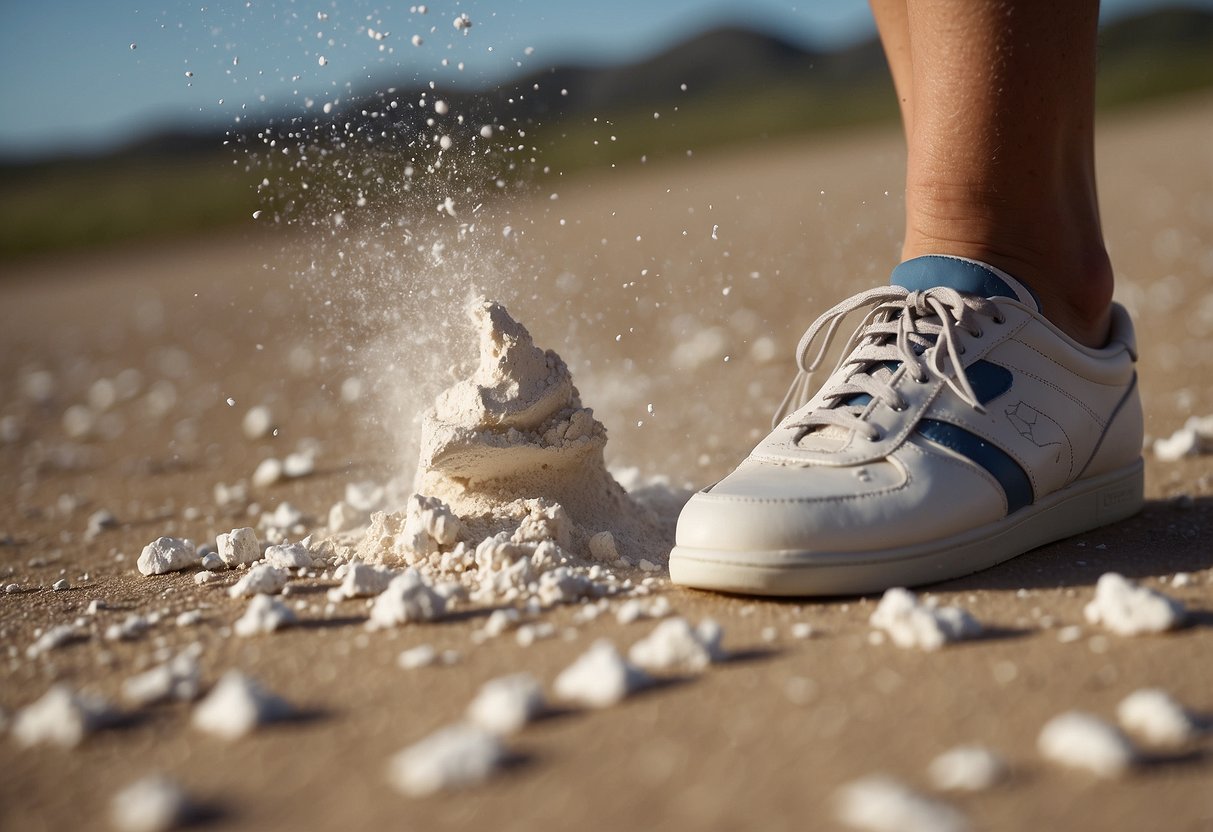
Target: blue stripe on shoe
[(929, 271), (1010, 475), (989, 381)]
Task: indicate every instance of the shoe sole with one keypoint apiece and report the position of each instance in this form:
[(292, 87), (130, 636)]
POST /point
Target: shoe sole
[(1080, 507)]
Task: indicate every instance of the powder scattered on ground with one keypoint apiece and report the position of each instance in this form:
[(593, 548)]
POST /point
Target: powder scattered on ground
[(60, 717), (237, 547), (675, 645), (881, 804), (1081, 740), (599, 678), (1128, 609), (967, 768), (167, 554), (504, 705), (408, 597), (178, 678), (453, 757), (1154, 716), (262, 579), (263, 615), (236, 706), (913, 624), (152, 804)]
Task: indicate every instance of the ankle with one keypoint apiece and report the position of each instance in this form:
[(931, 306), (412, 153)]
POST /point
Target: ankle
[(1062, 258)]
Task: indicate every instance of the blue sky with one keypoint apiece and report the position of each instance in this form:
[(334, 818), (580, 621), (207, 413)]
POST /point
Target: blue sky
[(70, 79)]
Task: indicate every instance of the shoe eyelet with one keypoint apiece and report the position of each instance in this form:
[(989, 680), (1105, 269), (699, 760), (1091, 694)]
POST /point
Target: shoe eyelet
[(978, 333), (875, 436), (960, 350), (901, 407), (1000, 319)]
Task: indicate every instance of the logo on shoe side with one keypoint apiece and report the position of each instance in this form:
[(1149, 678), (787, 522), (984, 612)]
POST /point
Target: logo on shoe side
[(1041, 431)]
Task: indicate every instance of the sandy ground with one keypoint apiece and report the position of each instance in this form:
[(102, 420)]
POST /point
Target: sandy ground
[(762, 741)]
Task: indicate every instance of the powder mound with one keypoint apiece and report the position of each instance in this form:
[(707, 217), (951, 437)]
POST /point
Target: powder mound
[(675, 645), (516, 430), (1128, 609), (968, 768), (152, 804), (451, 758), (236, 706), (911, 623), (600, 677), (1153, 715), (1081, 740), (881, 804), (60, 717)]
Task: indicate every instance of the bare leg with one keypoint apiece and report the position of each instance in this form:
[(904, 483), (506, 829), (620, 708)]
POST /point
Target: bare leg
[(999, 120)]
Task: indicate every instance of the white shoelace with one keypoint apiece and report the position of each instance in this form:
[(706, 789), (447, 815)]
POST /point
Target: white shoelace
[(915, 329)]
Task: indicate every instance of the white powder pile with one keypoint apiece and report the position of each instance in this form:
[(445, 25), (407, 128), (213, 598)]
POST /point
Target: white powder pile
[(675, 645), (237, 547), (262, 579), (637, 609), (167, 554), (1154, 716), (1193, 439), (512, 487), (1081, 740), (599, 678), (969, 768), (151, 804), (361, 580), (504, 705), (60, 717), (236, 706), (263, 615), (1128, 609), (454, 757), (923, 625), (408, 597), (289, 555), (881, 804), (178, 678)]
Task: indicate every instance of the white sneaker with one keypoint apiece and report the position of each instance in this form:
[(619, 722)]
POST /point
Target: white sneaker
[(960, 429)]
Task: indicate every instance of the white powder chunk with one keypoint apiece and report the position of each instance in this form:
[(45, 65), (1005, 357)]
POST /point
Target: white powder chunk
[(52, 639), (167, 554), (423, 655), (362, 581), (603, 549), (802, 630), (364, 496), (239, 546), (267, 472), (257, 422), (501, 620), (1154, 716), (1081, 740), (299, 464), (60, 717), (454, 757), (236, 706), (262, 579), (288, 556), (151, 804), (408, 597), (1128, 609), (675, 645), (968, 768), (177, 678), (263, 615), (343, 517), (923, 625), (881, 804), (506, 704), (599, 678)]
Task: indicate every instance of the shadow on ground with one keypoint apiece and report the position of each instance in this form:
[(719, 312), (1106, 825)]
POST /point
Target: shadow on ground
[(1168, 536)]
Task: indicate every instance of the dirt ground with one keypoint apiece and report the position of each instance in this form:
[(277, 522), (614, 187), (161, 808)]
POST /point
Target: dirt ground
[(646, 315)]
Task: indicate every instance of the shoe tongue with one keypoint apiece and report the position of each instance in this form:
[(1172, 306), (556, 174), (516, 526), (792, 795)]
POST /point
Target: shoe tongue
[(962, 274)]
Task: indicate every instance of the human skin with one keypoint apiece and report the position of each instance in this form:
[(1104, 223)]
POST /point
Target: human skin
[(997, 100)]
